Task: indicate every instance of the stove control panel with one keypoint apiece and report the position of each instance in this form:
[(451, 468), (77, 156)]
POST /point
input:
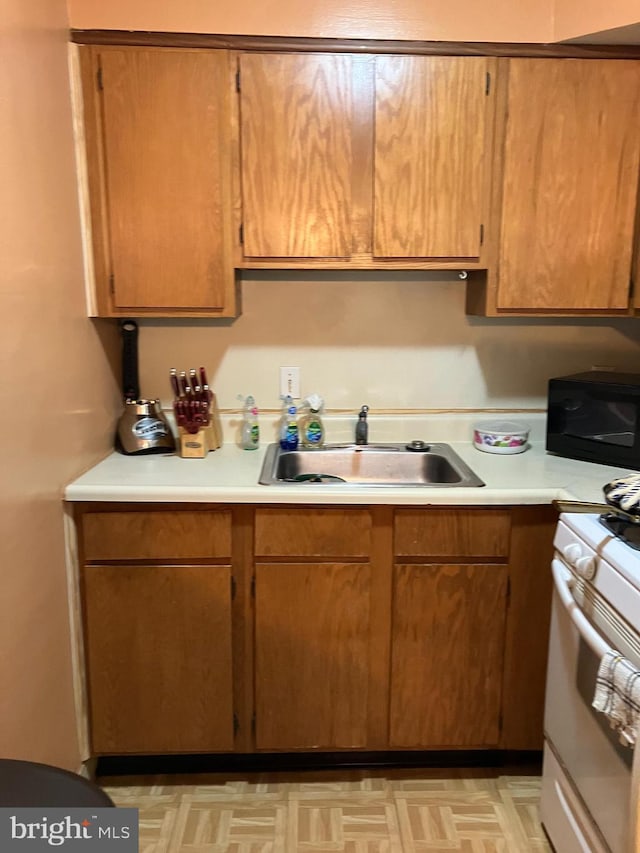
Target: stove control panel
[(586, 567), (576, 554), (572, 552), (603, 562)]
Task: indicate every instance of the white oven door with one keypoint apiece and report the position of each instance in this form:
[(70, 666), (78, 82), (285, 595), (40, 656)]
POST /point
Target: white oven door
[(581, 738)]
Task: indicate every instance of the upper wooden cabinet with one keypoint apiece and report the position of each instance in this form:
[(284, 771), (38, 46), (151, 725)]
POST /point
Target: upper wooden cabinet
[(158, 138), (568, 194), (364, 160), (431, 155), (522, 171), (296, 133)]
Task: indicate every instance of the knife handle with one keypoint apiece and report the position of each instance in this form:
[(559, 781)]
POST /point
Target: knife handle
[(207, 393), (175, 385)]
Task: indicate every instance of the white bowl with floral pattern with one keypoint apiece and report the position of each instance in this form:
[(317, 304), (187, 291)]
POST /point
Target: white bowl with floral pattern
[(501, 436)]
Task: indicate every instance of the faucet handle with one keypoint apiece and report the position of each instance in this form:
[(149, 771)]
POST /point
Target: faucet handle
[(362, 427)]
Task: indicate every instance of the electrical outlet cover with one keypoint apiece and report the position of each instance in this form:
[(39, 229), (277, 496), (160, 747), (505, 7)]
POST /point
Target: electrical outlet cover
[(290, 382)]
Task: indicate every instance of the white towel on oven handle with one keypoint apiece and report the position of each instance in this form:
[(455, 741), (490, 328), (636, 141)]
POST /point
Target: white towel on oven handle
[(617, 695)]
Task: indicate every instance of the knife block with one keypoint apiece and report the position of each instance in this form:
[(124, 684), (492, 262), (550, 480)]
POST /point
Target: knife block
[(211, 439), (193, 445), (215, 425)]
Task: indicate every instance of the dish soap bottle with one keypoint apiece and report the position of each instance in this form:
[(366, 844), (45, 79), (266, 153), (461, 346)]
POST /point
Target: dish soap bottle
[(311, 426), (250, 438), (289, 428)]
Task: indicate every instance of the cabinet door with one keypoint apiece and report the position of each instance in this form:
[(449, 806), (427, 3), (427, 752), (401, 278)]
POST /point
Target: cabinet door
[(571, 152), (431, 131), (158, 649), (311, 655), (296, 125), (446, 655), (160, 179)]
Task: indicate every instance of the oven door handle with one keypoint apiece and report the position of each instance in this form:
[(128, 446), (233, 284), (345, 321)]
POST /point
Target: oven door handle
[(562, 577)]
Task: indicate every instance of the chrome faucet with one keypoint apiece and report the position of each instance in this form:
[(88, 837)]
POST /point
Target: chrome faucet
[(362, 427)]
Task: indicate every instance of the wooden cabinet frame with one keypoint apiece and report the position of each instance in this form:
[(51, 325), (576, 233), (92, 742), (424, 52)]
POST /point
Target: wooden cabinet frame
[(366, 177), (176, 258), (488, 293), (518, 539), (482, 282)]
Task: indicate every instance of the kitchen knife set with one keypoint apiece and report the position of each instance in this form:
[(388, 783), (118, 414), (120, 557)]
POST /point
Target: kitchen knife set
[(196, 413)]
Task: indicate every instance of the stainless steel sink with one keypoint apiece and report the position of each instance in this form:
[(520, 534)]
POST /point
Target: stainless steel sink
[(414, 464)]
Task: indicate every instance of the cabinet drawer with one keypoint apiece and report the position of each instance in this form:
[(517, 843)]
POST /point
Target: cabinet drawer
[(452, 533), (156, 535), (312, 533)]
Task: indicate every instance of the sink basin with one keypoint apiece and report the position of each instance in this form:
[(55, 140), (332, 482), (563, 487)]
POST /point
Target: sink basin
[(368, 465)]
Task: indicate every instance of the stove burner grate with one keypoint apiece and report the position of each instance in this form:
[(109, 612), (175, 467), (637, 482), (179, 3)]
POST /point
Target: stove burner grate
[(627, 531)]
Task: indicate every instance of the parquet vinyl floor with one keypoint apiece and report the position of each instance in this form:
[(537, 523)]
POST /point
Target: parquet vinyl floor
[(387, 811)]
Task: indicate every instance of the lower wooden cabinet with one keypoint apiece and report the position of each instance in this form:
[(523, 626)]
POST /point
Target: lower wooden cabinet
[(449, 613), (157, 588), (212, 629), (447, 641), (312, 627), (158, 650)]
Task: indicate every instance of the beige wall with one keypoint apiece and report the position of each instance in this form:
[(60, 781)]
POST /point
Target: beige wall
[(397, 341), (576, 18), (394, 341), (458, 20), (58, 391)]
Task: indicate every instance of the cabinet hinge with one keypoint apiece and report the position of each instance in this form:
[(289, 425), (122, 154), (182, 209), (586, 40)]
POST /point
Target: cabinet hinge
[(253, 587), (253, 724), (112, 284), (233, 587), (487, 83), (500, 721), (481, 234), (236, 724), (238, 80), (99, 78), (241, 234)]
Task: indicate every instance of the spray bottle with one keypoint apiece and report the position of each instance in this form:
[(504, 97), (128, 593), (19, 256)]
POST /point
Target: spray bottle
[(250, 436), (289, 426), (311, 426)]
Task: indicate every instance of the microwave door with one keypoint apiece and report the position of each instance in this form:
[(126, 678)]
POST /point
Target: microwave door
[(598, 418)]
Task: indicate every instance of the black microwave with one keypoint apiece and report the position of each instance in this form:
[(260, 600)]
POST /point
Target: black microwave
[(595, 416)]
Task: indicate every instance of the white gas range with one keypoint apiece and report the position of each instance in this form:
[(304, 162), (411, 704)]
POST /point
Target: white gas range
[(587, 805)]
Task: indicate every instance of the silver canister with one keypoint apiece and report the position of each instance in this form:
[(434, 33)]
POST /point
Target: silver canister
[(143, 428)]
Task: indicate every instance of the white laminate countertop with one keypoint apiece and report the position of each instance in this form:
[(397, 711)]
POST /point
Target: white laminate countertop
[(230, 474)]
